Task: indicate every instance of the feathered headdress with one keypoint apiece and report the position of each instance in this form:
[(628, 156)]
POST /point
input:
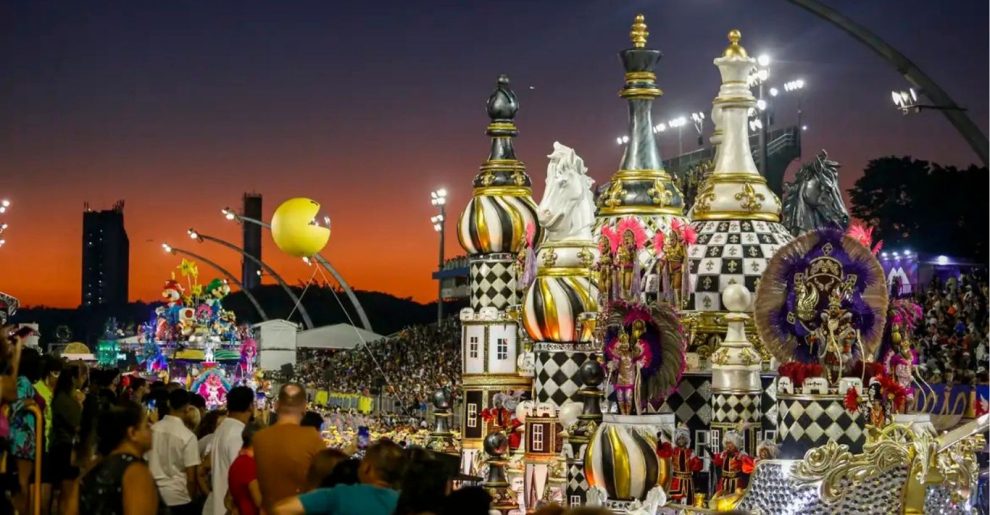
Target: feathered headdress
[(907, 313), (778, 294), (613, 238), (864, 235), (684, 231), (658, 241), (632, 225)]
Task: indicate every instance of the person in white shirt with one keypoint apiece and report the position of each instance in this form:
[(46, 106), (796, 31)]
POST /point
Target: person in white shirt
[(227, 443), (174, 457)]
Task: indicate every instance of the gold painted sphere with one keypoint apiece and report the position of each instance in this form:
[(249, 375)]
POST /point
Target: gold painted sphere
[(296, 230)]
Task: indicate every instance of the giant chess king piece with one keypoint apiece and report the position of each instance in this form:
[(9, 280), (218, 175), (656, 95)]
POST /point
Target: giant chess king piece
[(641, 189)]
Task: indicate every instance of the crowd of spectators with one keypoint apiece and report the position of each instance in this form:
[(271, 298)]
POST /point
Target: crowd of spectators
[(952, 341), (414, 363)]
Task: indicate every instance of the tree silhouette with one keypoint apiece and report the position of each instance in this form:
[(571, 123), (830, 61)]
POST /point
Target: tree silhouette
[(925, 206)]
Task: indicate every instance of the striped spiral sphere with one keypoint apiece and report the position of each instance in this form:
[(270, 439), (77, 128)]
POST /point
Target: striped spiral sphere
[(553, 304), (622, 459), (497, 223)]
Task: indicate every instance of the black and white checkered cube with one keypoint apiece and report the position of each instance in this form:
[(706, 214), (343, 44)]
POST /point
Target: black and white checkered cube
[(733, 408), (808, 421), (493, 281), (691, 401), (557, 378), (769, 403), (730, 252), (577, 485)]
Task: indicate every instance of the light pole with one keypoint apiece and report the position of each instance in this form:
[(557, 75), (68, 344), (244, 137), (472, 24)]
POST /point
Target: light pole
[(200, 237), (4, 205), (439, 199), (798, 87), (678, 123), (231, 215), (762, 73), (699, 125), (230, 277)]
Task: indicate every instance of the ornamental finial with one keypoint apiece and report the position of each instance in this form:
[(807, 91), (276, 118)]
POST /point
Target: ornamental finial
[(734, 49), (638, 34)]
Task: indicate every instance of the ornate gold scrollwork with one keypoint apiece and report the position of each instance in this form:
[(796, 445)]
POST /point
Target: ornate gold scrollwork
[(959, 467), (751, 200), (834, 466), (659, 194), (549, 258), (613, 197), (703, 203), (586, 257)]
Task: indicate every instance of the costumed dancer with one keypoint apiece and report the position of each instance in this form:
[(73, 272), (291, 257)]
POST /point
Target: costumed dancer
[(683, 463), (633, 237), (626, 361), (900, 360), (526, 260), (734, 465), (608, 244), (675, 252), (766, 450), (878, 409)]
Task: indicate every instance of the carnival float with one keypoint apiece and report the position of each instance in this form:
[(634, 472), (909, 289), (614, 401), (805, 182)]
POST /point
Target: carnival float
[(192, 339), (627, 350)]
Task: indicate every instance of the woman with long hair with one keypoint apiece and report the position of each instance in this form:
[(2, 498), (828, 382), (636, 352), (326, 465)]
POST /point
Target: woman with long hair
[(121, 482), (67, 408), (24, 425)]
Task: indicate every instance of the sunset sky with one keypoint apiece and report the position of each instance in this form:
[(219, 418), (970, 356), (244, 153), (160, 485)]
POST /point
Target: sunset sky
[(180, 107)]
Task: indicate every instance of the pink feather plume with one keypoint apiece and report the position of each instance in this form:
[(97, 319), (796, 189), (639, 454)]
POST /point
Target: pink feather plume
[(530, 233), (633, 225), (864, 235), (613, 238), (658, 242)]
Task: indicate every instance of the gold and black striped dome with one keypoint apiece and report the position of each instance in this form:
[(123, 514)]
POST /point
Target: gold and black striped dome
[(502, 206)]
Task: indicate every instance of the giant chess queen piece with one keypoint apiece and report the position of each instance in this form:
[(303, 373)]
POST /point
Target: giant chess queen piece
[(736, 215), (736, 387)]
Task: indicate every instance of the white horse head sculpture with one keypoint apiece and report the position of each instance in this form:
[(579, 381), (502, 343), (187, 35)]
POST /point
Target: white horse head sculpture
[(567, 210)]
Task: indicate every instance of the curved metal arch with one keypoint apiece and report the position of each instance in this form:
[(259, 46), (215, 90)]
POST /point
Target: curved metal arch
[(327, 266), (230, 277), (295, 299), (955, 114), (347, 289)]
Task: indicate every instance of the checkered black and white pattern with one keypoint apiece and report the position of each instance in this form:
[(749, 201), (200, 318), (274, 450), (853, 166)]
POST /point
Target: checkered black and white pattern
[(577, 484), (730, 252), (691, 401), (493, 281), (733, 408), (557, 378), (811, 421), (769, 403)]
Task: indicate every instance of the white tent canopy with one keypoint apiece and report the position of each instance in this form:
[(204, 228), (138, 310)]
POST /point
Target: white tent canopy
[(337, 336)]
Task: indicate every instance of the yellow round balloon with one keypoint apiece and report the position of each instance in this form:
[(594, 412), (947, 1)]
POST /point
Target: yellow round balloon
[(296, 230)]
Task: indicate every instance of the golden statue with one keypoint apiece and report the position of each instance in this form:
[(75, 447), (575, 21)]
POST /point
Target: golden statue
[(807, 298), (604, 268), (626, 260)]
